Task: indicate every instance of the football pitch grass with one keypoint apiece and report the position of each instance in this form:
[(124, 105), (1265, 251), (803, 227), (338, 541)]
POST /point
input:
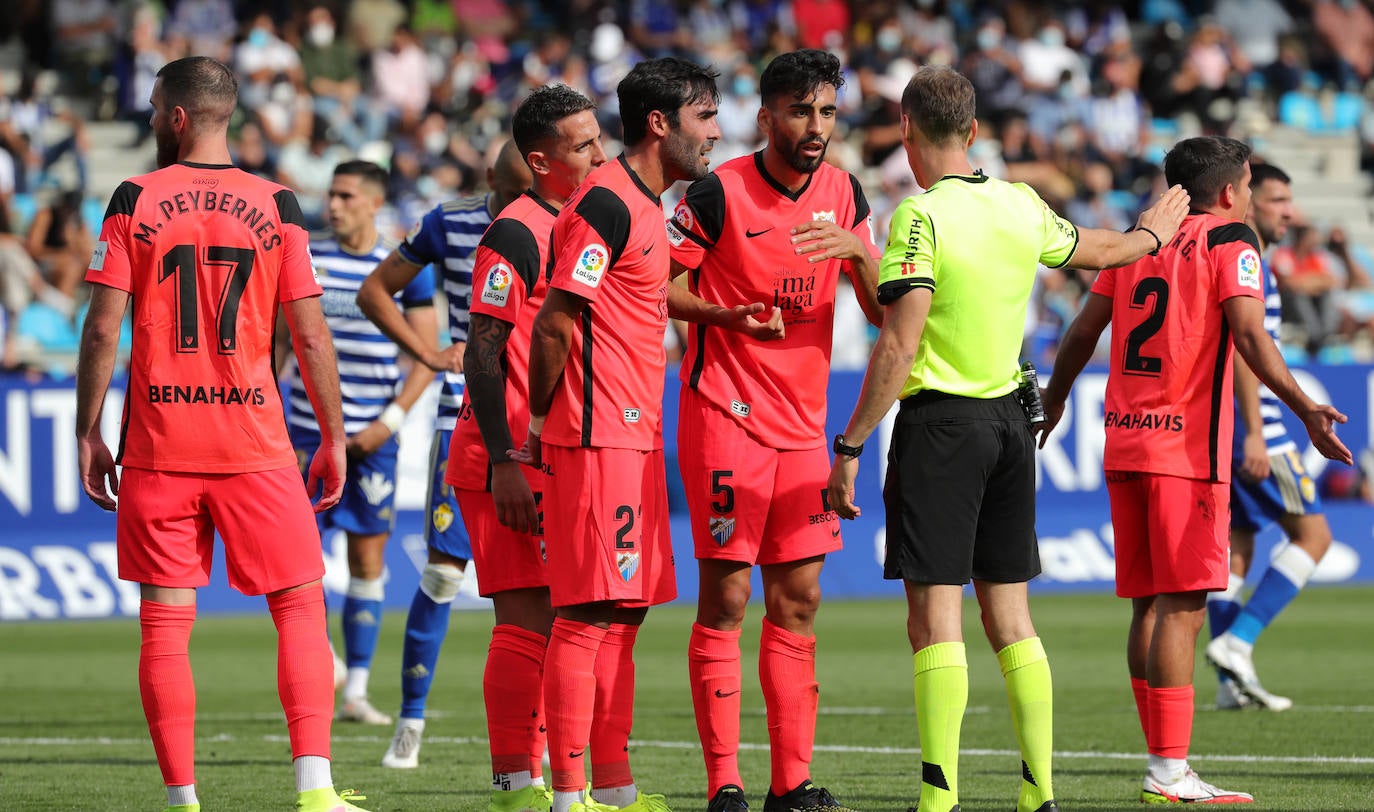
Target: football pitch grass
[(72, 734)]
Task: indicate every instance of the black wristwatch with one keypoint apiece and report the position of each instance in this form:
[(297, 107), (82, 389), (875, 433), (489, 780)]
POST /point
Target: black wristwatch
[(844, 449)]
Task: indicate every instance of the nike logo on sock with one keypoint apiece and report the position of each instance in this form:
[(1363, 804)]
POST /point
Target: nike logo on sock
[(722, 694), (577, 754)]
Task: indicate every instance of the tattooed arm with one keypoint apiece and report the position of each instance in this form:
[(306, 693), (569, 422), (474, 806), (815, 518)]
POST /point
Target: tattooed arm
[(486, 390)]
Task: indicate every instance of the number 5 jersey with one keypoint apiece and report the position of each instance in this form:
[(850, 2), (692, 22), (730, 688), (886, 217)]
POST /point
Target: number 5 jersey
[(207, 253)]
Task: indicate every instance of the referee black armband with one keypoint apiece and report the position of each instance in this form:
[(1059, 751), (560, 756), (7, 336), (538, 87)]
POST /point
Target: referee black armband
[(889, 292)]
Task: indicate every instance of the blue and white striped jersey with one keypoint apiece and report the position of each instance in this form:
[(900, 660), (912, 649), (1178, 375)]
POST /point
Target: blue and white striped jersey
[(447, 237), (369, 376), (1276, 437)]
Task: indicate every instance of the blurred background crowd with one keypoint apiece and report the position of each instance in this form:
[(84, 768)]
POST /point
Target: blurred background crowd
[(1079, 99)]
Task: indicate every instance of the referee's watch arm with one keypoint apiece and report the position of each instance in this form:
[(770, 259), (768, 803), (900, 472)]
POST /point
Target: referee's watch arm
[(1076, 348), (888, 369), (1100, 248)]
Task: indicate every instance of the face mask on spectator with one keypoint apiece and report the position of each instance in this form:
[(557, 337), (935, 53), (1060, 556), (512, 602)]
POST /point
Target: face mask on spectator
[(258, 37), (989, 38), (321, 35), (1051, 37), (744, 87), (283, 93), (889, 39), (436, 142)]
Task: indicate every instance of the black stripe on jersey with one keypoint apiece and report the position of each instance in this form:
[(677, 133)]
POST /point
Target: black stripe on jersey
[(707, 199), (634, 176), (587, 377), (1069, 255), (1218, 378), (861, 207), (1232, 232), (608, 216), (543, 204), (513, 240), (891, 291), (124, 199), (778, 187), (699, 362), (288, 209)]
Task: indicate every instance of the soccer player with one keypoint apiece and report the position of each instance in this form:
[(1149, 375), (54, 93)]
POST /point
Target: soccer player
[(376, 396), (207, 254), (556, 132), (955, 279), (447, 237), (595, 400), (1174, 318), (778, 225), (1269, 485)]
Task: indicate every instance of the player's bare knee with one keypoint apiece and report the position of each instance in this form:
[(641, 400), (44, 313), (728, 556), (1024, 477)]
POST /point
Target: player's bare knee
[(441, 582), (723, 606), (1313, 536)]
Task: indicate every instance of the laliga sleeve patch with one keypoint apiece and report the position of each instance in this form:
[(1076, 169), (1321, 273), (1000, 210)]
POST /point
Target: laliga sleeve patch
[(683, 214), (98, 256), (414, 232), (675, 236), (591, 264), (1248, 269), (497, 287)]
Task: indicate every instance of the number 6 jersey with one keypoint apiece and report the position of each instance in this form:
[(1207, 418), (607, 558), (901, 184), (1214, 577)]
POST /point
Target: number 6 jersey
[(207, 253), (1168, 405)]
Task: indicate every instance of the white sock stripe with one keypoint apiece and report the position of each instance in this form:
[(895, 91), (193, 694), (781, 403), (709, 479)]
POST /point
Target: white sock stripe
[(1295, 564), (366, 589), (441, 582), (1232, 590)]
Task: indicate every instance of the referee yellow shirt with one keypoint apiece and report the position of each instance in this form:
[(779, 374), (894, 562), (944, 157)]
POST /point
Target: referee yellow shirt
[(974, 242)]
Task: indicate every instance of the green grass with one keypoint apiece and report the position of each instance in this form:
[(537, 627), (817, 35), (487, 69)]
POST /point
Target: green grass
[(72, 734)]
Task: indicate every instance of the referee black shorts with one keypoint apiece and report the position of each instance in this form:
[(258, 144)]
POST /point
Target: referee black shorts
[(960, 492)]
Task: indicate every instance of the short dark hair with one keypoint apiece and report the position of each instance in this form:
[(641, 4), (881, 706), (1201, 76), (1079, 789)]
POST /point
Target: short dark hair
[(367, 171), (1259, 173), (939, 101), (667, 85), (205, 88), (536, 119), (1205, 165), (798, 74)]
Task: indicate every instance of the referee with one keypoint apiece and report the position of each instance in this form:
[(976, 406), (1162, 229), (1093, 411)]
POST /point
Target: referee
[(955, 279)]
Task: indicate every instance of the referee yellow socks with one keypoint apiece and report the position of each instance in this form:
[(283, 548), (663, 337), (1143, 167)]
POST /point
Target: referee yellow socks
[(1031, 693), (941, 696)]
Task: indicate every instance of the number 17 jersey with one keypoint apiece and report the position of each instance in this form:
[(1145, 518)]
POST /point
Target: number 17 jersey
[(207, 254), (1168, 400)]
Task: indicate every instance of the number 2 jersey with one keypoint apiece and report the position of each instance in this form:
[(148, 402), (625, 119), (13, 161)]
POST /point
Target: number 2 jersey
[(733, 231), (1169, 392), (207, 253)]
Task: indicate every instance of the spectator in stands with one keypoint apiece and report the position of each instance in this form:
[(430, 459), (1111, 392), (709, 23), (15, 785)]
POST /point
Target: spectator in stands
[(287, 114), (145, 55), (25, 123), (1347, 28), (1048, 63), (330, 64), (1255, 26), (1308, 286), (84, 34), (371, 23), (61, 244), (401, 78), (203, 27), (820, 24), (251, 153), (1212, 71), (994, 70), (307, 166), (1095, 207), (1163, 82), (653, 27), (260, 59)]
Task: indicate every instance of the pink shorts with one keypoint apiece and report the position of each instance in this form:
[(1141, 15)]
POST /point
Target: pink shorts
[(749, 502), (504, 559), (606, 527), (1171, 533), (166, 522)]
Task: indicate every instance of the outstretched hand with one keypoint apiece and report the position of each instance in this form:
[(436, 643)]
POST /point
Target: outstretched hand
[(1165, 216), (1321, 427)]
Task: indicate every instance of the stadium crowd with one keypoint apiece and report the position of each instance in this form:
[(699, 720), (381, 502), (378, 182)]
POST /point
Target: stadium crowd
[(1079, 100)]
